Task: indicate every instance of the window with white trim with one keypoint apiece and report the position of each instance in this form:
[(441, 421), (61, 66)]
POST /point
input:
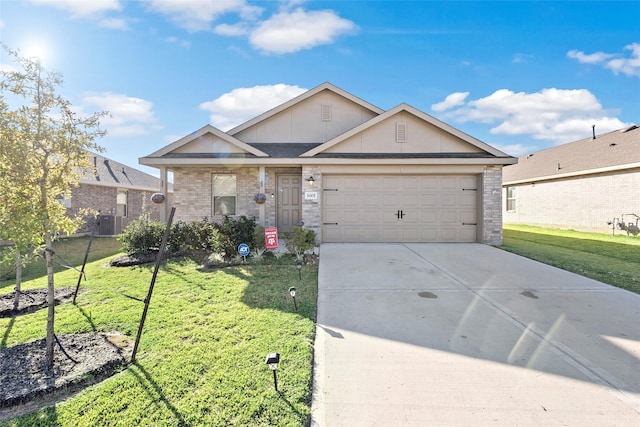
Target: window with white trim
[(511, 199), (224, 194), (121, 203)]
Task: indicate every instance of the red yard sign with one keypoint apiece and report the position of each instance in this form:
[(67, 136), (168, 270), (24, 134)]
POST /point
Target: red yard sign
[(271, 238)]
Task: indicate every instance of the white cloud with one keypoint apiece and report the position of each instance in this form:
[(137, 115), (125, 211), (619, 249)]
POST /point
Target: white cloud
[(197, 15), (594, 58), (242, 104), (293, 31), (82, 8), (628, 66), (231, 30), (452, 100), (557, 115), (128, 116), (516, 150)]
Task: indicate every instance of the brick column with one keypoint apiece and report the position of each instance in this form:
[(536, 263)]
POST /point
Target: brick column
[(312, 209), (492, 205)]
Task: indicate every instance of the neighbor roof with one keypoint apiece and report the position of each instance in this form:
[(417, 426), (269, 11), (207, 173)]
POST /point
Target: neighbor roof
[(615, 150), (107, 172)]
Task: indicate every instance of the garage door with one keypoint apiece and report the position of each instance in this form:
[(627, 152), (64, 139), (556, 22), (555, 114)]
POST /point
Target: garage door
[(399, 208)]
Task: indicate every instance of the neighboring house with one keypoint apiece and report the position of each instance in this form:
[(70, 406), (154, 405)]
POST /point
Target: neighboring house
[(119, 192), (345, 168), (581, 185)]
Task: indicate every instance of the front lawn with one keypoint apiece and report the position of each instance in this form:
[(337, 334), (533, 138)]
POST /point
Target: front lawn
[(610, 259), (201, 360)]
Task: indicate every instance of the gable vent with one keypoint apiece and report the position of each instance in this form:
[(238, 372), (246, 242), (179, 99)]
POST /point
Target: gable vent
[(401, 132), (325, 113)]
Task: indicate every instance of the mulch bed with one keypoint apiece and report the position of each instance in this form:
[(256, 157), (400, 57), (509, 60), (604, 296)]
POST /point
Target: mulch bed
[(25, 386), (33, 300)]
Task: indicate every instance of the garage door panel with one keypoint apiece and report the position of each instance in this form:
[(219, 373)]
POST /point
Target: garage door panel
[(364, 208), (468, 217), (468, 199), (449, 234)]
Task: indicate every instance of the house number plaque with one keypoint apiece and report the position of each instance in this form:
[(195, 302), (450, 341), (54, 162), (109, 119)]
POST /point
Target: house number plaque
[(311, 195)]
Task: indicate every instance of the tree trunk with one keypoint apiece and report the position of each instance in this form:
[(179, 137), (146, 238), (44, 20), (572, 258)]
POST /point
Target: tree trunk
[(16, 298), (50, 303)]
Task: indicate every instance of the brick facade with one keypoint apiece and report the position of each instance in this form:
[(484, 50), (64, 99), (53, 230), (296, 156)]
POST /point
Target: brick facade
[(103, 199), (583, 203), (193, 189)]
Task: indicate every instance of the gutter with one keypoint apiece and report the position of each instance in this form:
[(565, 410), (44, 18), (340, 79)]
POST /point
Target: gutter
[(573, 174)]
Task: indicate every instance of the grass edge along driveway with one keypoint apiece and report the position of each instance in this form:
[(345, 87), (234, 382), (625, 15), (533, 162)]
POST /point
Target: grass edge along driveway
[(201, 359), (609, 259)]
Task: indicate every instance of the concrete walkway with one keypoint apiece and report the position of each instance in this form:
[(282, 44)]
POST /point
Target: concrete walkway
[(469, 335)]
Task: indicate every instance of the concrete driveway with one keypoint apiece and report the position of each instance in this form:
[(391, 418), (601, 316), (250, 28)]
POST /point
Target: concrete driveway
[(468, 335)]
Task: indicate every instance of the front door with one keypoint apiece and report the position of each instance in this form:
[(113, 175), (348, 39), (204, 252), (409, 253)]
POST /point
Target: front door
[(289, 202)]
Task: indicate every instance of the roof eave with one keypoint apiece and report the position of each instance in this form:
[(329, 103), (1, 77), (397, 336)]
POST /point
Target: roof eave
[(573, 174), (167, 162)]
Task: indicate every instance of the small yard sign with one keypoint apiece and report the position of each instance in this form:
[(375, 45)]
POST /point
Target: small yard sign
[(243, 249), (271, 238)]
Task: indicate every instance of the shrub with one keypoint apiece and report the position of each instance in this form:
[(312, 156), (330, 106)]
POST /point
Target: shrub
[(258, 237), (299, 240), (234, 231), (142, 235)]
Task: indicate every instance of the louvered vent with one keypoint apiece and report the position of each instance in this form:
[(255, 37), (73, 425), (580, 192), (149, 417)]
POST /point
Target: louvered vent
[(325, 114), (401, 132)]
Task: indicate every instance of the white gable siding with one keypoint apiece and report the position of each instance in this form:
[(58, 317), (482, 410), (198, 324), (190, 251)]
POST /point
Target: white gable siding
[(303, 122), (421, 137), (208, 144)]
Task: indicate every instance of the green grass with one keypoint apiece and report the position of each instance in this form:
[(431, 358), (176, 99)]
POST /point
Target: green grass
[(201, 357), (610, 259)]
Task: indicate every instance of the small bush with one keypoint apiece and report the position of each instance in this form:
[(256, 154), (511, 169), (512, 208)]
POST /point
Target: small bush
[(142, 235), (258, 237), (234, 231), (299, 240)]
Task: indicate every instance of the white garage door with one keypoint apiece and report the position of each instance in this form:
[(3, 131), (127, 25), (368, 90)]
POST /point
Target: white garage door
[(399, 208)]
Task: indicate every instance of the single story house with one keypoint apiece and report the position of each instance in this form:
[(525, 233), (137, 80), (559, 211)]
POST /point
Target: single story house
[(588, 185), (343, 167), (119, 192)]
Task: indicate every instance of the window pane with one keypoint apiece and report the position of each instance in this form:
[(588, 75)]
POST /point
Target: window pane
[(121, 203), (511, 198), (224, 185), (224, 194), (224, 205)]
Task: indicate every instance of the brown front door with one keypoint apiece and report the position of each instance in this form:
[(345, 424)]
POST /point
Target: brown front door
[(289, 203)]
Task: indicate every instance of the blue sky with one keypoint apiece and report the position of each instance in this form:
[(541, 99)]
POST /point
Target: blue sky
[(521, 76)]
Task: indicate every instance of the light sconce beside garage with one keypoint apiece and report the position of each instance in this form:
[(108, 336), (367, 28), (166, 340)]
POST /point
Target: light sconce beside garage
[(310, 180)]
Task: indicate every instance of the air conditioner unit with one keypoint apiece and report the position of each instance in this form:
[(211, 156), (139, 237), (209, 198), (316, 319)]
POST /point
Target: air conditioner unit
[(110, 225)]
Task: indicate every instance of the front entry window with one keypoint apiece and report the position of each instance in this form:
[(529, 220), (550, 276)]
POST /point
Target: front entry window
[(224, 194)]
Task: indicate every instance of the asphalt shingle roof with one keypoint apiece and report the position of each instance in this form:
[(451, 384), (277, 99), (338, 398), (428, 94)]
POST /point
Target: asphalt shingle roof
[(617, 148), (104, 171)]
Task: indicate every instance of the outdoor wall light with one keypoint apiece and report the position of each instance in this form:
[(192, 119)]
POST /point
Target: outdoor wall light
[(292, 292), (272, 360), (310, 180)]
